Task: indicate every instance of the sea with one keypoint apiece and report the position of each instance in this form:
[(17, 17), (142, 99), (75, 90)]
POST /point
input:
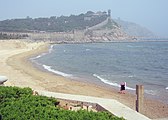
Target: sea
[(136, 63)]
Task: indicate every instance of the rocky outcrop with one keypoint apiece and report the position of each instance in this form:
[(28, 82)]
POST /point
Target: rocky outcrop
[(106, 31)]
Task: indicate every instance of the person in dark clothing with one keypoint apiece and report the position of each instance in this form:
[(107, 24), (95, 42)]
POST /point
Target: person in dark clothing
[(122, 87)]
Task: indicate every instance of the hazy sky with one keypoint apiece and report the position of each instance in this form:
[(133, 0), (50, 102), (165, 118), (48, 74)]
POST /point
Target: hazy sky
[(152, 14)]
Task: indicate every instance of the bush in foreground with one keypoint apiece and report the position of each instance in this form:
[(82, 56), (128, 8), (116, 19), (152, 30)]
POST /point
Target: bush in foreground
[(19, 104)]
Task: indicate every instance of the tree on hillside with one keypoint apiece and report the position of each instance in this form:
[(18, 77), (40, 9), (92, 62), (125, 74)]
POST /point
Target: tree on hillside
[(52, 24)]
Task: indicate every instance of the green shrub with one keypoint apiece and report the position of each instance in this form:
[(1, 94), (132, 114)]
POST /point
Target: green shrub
[(19, 104), (13, 92)]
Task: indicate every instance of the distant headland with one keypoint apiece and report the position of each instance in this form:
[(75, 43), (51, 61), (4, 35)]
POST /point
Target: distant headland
[(85, 27)]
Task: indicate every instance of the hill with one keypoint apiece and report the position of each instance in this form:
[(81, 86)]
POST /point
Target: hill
[(54, 24), (134, 29), (88, 27)]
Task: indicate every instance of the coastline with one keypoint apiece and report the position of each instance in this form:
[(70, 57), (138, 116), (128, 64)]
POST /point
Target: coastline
[(30, 76)]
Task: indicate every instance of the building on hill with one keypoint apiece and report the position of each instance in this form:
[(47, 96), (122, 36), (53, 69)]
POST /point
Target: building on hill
[(91, 15)]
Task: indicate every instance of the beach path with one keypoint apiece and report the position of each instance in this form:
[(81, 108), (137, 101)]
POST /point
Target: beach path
[(111, 105)]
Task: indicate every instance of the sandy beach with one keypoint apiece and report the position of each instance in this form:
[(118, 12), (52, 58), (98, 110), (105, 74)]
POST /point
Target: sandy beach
[(15, 64)]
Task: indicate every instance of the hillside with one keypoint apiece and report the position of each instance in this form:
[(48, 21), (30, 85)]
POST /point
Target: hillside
[(88, 27), (54, 24), (134, 29)]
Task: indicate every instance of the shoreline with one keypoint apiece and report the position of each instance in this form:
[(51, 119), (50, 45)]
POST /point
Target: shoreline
[(43, 80), (97, 79)]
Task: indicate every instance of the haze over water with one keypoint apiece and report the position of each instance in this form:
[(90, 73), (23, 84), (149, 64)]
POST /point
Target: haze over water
[(112, 63)]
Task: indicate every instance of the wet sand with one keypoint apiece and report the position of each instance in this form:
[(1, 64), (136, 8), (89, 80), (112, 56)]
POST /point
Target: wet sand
[(14, 59)]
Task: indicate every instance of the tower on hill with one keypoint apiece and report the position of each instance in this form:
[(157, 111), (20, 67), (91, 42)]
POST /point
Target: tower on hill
[(109, 13), (109, 16)]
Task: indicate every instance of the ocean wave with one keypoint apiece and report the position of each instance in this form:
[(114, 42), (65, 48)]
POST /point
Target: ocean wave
[(166, 88), (130, 46), (130, 76), (43, 54), (151, 92), (111, 83), (56, 72), (51, 48), (87, 50), (39, 56)]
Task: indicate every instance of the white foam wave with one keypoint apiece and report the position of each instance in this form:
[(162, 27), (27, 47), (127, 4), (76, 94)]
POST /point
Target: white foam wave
[(41, 55), (130, 46), (111, 83), (130, 76), (87, 49), (51, 48), (166, 88), (56, 72), (151, 92), (33, 58), (37, 57)]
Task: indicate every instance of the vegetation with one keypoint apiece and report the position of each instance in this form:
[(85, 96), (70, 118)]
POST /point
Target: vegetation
[(52, 24), (19, 104), (12, 36)]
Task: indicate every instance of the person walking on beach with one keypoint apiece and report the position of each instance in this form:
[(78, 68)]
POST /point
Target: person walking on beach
[(122, 88)]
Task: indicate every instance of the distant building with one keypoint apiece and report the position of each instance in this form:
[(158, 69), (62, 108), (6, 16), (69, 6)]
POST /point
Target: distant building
[(91, 15)]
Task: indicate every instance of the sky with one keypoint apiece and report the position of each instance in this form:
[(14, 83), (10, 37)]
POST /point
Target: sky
[(152, 14)]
